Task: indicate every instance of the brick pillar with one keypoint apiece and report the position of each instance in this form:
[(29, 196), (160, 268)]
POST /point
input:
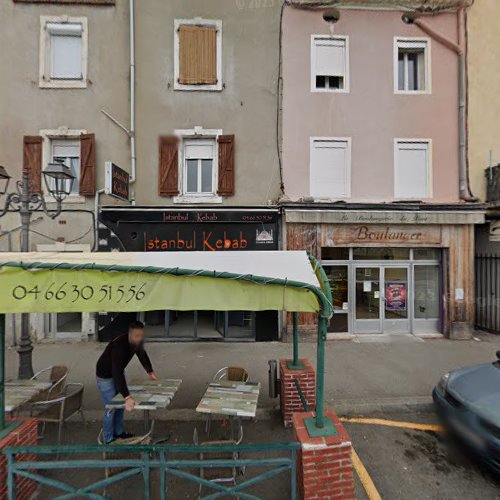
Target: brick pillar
[(290, 399), (26, 434), (324, 464)]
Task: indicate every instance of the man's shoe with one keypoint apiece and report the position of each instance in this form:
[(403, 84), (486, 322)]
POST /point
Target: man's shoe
[(125, 435)]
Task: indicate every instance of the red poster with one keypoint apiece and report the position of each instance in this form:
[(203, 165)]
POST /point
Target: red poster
[(395, 296)]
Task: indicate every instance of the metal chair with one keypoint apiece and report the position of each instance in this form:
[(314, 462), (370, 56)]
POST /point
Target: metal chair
[(57, 376), (232, 373), (61, 409), (220, 474)]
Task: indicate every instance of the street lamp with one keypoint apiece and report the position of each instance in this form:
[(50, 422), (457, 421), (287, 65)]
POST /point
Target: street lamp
[(59, 180)]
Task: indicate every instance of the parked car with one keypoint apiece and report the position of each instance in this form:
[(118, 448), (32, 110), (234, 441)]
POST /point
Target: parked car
[(468, 402)]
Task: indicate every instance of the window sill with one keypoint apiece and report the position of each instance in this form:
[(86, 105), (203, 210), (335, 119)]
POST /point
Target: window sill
[(412, 92), (198, 88), (63, 84), (194, 199), (329, 91), (72, 198)]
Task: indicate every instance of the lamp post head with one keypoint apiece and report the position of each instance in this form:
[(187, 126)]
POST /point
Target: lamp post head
[(4, 180), (59, 179)]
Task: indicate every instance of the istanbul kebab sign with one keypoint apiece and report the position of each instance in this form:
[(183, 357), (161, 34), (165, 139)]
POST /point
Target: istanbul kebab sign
[(117, 181)]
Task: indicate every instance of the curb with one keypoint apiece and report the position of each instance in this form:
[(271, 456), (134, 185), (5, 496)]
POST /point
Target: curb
[(343, 408)]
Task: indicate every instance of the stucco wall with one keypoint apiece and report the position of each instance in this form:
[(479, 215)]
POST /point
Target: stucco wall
[(484, 90), (25, 109), (245, 107), (371, 114)]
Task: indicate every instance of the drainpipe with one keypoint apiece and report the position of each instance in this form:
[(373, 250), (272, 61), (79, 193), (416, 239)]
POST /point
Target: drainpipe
[(459, 49), (133, 157)]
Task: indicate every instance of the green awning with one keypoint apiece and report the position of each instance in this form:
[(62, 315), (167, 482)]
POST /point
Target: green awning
[(122, 281)]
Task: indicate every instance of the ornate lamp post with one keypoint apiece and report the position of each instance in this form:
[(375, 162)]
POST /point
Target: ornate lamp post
[(59, 180)]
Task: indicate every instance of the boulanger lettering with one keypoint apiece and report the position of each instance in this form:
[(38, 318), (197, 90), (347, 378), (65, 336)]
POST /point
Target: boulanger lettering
[(365, 234)]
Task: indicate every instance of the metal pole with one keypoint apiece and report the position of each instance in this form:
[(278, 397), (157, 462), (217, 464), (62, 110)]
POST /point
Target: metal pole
[(295, 339), (25, 346), (320, 372), (2, 372)]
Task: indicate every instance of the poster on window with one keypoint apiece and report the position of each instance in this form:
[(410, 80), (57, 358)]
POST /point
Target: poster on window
[(395, 296)]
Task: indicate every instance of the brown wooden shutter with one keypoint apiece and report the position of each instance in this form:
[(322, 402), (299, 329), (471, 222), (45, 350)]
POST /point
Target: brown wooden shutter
[(197, 55), (32, 161), (226, 165), (168, 166), (87, 165)]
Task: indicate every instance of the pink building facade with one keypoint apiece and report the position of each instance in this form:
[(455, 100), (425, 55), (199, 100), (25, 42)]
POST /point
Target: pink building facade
[(371, 166)]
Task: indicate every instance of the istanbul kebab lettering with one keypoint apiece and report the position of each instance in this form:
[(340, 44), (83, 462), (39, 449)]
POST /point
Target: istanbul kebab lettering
[(197, 240)]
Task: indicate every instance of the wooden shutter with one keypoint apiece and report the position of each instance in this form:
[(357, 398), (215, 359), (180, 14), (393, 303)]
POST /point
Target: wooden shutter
[(197, 55), (32, 161), (168, 166), (226, 165), (87, 165)]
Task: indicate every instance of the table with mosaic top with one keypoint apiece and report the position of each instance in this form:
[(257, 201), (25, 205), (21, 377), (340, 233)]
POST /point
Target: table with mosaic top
[(20, 392), (234, 399), (150, 395)]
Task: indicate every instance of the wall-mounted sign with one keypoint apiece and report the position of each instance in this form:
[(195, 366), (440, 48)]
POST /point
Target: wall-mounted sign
[(374, 235), (117, 181), (193, 230)]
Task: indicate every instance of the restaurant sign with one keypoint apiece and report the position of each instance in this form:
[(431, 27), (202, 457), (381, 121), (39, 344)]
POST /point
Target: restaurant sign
[(181, 231), (117, 181)]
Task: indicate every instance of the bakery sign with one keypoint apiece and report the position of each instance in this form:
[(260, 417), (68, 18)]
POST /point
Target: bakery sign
[(374, 235)]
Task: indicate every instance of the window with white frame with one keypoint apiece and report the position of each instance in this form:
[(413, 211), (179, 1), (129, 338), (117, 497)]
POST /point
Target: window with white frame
[(330, 169), (329, 63), (412, 169), (411, 65), (67, 151), (197, 54), (63, 52), (199, 167)]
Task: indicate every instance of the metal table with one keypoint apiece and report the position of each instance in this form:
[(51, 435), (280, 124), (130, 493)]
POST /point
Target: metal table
[(20, 392), (150, 395)]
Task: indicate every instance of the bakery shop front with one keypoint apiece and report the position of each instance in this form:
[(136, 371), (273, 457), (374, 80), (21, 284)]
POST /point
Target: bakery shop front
[(392, 271), (143, 229)]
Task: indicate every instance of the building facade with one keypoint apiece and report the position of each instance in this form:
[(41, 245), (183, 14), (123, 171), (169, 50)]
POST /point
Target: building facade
[(180, 95), (484, 156), (372, 159)]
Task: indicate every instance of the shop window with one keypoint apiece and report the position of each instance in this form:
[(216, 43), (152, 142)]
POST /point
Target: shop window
[(412, 169), (427, 253), (198, 61), (427, 294), (411, 65), (330, 169), (338, 278), (381, 253), (63, 54), (334, 253), (329, 64)]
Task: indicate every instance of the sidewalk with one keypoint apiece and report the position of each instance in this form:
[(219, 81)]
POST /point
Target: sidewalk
[(388, 372)]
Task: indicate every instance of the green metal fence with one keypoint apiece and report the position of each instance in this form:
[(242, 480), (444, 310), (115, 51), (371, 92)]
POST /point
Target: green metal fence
[(169, 460)]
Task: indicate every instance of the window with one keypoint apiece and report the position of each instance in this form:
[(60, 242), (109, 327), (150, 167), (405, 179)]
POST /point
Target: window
[(68, 152), (330, 171), (329, 64), (63, 55), (198, 55), (412, 169), (199, 171), (412, 68)]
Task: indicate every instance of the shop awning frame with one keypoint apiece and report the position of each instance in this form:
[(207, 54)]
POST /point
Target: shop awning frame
[(33, 269)]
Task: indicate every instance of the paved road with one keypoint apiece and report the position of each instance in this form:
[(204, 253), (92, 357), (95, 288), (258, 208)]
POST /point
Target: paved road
[(403, 464)]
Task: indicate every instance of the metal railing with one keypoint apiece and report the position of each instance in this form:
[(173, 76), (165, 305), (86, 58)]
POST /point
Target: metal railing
[(31, 461), (488, 293)]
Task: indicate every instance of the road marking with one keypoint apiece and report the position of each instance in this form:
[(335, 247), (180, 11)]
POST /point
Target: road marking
[(364, 477), (394, 423)]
